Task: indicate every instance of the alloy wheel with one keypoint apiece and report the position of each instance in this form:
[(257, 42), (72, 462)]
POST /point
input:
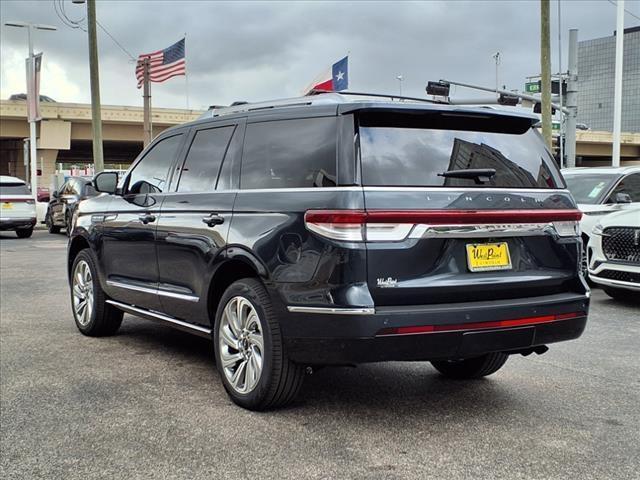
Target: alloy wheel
[(82, 286), (241, 344)]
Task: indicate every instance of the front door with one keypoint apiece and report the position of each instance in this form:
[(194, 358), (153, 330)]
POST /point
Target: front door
[(194, 221), (129, 259)]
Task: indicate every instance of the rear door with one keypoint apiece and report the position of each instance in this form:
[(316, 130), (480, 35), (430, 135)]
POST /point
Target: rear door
[(468, 235), (195, 219)]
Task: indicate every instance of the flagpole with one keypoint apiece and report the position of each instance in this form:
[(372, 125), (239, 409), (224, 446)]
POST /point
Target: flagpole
[(146, 95), (186, 71)]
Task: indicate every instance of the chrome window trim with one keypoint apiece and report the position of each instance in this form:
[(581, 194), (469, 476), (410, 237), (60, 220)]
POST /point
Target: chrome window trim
[(153, 291), (333, 310)]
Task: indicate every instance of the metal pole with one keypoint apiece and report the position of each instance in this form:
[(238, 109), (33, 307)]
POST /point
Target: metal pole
[(33, 152), (146, 95), (96, 114), (561, 115), (572, 99), (617, 96), (523, 96), (545, 66)]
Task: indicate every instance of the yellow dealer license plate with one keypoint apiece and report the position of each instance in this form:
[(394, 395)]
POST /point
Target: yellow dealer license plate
[(483, 257), (7, 205)]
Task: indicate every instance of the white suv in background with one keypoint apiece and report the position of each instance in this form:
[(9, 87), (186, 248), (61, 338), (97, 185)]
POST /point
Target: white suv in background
[(17, 207), (599, 191), (614, 254)]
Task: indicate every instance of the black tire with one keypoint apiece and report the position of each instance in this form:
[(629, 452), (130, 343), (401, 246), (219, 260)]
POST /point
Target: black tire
[(104, 319), (280, 379), (24, 232), (50, 226), (471, 367)]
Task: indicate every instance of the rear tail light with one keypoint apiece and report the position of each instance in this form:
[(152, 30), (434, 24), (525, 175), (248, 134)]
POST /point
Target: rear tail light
[(393, 226)]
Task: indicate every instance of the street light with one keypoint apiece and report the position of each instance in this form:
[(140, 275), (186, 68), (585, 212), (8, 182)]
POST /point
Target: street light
[(32, 121), (400, 78)]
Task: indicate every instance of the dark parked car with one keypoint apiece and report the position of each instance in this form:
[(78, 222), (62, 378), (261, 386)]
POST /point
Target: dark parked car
[(324, 231), (64, 200)]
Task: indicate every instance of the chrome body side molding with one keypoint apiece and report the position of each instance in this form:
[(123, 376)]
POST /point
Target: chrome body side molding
[(153, 291), (333, 310)]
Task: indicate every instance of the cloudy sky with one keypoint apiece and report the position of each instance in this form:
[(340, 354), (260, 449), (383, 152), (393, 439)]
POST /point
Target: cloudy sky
[(261, 50)]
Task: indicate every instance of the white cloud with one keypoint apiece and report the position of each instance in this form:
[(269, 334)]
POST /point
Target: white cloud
[(54, 80)]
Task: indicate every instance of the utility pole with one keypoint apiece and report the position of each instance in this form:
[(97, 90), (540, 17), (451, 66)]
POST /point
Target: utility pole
[(146, 95), (617, 96), (545, 64), (572, 99), (561, 80), (96, 114)]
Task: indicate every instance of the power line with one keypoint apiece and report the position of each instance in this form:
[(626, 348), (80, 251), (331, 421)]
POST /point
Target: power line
[(116, 41), (630, 13), (59, 8)]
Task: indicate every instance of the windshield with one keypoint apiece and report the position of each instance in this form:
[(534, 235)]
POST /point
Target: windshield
[(14, 189), (393, 156), (589, 188)]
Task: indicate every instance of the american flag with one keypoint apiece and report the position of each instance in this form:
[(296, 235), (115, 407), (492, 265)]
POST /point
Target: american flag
[(163, 64)]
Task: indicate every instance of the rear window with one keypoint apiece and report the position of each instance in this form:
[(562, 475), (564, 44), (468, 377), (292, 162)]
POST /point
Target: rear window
[(411, 155), (14, 189)]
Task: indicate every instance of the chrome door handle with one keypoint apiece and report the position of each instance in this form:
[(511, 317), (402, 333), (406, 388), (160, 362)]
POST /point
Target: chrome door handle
[(213, 220), (147, 218)]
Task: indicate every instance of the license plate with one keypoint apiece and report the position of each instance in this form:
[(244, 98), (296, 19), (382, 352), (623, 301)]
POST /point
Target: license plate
[(483, 257), (7, 205)]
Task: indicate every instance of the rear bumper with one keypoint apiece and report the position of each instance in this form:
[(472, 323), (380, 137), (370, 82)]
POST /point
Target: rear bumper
[(317, 338), (13, 223)]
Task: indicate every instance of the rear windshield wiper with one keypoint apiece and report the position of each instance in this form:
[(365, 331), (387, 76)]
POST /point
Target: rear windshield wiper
[(479, 175)]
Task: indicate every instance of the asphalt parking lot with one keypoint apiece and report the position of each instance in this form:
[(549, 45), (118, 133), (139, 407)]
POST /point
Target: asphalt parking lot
[(147, 403)]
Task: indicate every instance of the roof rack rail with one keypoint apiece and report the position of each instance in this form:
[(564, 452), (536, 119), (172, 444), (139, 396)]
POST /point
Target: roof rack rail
[(380, 95), (316, 97)]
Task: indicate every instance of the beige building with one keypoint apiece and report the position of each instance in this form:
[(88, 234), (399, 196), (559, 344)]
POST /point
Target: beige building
[(64, 135)]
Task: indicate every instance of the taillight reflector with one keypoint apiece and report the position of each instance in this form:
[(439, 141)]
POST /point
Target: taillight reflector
[(519, 322)]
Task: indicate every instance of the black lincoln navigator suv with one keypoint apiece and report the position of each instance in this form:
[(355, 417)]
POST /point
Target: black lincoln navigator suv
[(327, 231)]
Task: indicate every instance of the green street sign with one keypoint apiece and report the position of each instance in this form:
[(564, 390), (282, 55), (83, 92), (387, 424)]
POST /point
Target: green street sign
[(532, 87), (555, 126)]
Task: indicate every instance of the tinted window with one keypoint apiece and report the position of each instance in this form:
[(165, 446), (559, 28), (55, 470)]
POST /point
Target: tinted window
[(151, 173), (289, 154), (589, 187), (73, 187), (201, 167), (89, 190), (14, 189), (629, 185), (407, 156)]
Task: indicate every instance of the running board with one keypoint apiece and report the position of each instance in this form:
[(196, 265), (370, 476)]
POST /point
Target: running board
[(164, 319)]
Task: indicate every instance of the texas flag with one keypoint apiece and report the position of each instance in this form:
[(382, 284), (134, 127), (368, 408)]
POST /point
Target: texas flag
[(332, 79)]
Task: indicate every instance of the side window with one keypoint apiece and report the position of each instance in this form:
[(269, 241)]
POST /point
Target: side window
[(290, 154), (89, 190), (63, 188), (629, 185), (74, 187), (151, 173), (200, 170)]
